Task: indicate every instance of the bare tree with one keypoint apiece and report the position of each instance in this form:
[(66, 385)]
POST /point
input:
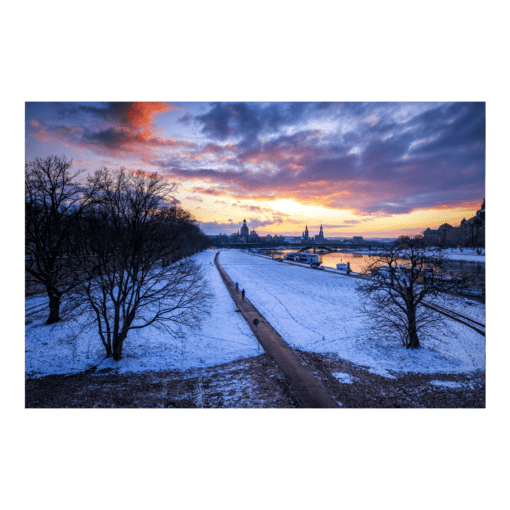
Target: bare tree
[(133, 278), (400, 278), (54, 201), (184, 237)]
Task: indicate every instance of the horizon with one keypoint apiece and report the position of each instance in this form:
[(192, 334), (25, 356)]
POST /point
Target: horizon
[(359, 169), (310, 232)]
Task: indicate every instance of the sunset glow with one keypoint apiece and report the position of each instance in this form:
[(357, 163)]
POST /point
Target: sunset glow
[(370, 169)]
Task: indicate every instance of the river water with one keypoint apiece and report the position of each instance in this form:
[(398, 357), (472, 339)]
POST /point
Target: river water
[(359, 262)]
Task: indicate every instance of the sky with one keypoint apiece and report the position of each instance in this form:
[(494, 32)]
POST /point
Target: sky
[(369, 169)]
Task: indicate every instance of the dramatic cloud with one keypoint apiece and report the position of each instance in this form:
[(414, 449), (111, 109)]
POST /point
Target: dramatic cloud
[(371, 159), (246, 121), (113, 129), (137, 115), (380, 158)]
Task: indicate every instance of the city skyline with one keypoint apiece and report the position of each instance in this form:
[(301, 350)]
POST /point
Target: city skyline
[(370, 169)]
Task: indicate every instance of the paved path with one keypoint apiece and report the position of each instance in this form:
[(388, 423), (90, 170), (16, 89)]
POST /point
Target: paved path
[(306, 389)]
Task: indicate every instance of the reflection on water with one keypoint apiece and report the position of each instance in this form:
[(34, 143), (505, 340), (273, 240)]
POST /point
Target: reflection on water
[(358, 263)]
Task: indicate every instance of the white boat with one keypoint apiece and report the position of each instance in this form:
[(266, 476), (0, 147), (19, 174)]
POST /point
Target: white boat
[(292, 255), (309, 258)]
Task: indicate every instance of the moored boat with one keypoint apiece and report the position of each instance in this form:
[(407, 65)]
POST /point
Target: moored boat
[(310, 258)]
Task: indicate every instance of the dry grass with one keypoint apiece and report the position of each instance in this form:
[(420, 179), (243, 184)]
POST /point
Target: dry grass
[(406, 390), (249, 383), (252, 383)]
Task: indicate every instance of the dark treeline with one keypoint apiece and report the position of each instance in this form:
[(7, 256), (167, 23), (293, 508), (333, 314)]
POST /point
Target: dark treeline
[(114, 249)]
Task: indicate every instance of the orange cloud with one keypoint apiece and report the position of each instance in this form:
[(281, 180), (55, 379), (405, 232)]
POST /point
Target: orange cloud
[(191, 155), (140, 116), (43, 136), (34, 123)]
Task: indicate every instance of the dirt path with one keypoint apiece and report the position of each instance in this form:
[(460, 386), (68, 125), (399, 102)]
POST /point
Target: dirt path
[(307, 390)]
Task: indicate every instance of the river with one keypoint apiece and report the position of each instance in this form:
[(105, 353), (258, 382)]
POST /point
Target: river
[(358, 263)]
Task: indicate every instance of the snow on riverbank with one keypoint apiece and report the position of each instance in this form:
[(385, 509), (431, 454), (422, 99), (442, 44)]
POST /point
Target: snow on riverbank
[(61, 349), (466, 255), (454, 254), (318, 311)]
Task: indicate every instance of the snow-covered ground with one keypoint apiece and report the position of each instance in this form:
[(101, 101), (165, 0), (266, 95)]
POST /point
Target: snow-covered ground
[(63, 348), (318, 311), (466, 255), (343, 378), (313, 310)]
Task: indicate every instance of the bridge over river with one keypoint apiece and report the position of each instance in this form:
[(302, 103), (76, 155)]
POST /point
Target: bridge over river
[(330, 247)]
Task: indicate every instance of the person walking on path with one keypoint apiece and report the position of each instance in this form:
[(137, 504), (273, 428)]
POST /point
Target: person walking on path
[(304, 388), (237, 287)]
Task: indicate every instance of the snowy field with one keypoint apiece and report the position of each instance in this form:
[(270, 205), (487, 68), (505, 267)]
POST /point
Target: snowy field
[(63, 348), (317, 311)]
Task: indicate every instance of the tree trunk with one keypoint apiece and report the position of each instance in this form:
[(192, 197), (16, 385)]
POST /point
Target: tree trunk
[(117, 350), (54, 308), (118, 342), (413, 341)]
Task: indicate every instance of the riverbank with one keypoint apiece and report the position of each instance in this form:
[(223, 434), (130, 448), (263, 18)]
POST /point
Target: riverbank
[(461, 255), (317, 311)]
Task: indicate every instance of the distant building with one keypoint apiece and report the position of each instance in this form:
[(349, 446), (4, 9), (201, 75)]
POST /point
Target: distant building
[(245, 231), (470, 233), (305, 233), (320, 238), (357, 239)]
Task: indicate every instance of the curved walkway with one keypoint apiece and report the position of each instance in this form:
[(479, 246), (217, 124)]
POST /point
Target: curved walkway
[(306, 389)]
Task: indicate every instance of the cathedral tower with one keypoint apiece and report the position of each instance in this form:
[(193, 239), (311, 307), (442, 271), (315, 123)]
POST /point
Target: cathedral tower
[(245, 231)]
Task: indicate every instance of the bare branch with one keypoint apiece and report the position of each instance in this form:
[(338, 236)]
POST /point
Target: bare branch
[(141, 273), (401, 276)]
